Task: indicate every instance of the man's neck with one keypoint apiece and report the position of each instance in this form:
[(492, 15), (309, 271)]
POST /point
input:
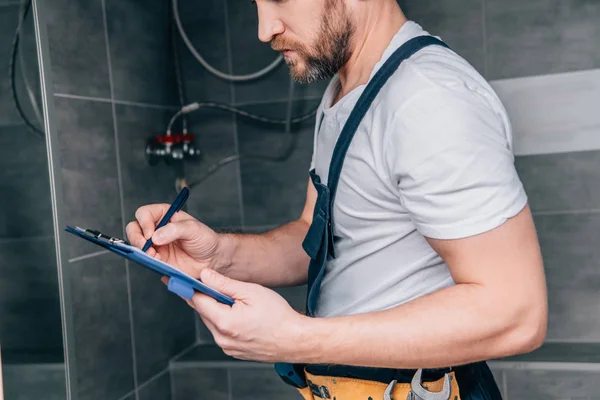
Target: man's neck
[(369, 44)]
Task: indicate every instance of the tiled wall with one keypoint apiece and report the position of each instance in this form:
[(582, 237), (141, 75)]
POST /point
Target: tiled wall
[(113, 89), (29, 299)]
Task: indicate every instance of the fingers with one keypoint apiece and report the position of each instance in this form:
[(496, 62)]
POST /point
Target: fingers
[(189, 229), (227, 286), (208, 308), (149, 216), (135, 234)]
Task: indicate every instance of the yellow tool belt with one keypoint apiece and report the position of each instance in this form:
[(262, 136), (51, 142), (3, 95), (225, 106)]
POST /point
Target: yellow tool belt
[(340, 388)]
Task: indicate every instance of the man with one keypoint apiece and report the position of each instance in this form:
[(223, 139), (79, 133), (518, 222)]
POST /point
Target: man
[(429, 259)]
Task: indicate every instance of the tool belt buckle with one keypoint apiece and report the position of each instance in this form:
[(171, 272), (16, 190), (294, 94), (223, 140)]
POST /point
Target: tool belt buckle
[(418, 392)]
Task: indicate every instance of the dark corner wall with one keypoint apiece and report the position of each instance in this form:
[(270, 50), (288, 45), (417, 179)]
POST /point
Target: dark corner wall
[(29, 301)]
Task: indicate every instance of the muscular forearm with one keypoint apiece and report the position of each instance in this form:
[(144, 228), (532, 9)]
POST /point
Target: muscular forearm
[(273, 259), (454, 326)]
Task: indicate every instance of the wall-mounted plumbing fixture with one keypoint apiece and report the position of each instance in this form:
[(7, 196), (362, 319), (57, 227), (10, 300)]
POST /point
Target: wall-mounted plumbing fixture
[(169, 148), (172, 146)]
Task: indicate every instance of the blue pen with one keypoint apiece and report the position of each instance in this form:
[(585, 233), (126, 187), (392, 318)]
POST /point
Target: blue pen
[(176, 206)]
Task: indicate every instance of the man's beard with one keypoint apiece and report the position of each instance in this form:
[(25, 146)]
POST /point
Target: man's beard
[(330, 51)]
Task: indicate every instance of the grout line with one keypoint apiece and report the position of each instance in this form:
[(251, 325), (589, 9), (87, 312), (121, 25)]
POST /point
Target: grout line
[(121, 200), (572, 341), (546, 365), (234, 364), (143, 385), (183, 352), (267, 101), (504, 385), (172, 383), (77, 97), (88, 256), (1, 375), (484, 29), (197, 326), (25, 239), (236, 143), (155, 377), (567, 212), (120, 102), (175, 107), (229, 385)]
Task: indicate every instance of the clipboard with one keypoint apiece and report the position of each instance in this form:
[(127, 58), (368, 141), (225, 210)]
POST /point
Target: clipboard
[(179, 283)]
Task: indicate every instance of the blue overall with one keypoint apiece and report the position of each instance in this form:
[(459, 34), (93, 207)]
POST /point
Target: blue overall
[(318, 244)]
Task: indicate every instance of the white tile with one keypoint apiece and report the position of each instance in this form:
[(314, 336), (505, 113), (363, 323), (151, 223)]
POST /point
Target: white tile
[(553, 113)]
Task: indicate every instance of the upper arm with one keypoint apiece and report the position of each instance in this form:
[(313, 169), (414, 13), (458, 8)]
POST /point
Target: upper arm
[(506, 263), (505, 259), (456, 178)]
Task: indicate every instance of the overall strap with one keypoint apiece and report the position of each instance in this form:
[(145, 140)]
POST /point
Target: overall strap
[(364, 102)]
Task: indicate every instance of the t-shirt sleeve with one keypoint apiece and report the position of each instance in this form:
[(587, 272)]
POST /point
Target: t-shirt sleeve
[(450, 157)]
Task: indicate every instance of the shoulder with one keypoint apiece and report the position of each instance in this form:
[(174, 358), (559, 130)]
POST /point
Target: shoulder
[(436, 101)]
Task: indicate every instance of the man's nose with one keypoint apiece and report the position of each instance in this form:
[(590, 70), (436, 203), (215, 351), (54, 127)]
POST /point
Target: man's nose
[(268, 25)]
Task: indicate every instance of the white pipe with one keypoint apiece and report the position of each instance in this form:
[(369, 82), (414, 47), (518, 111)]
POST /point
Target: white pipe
[(214, 71)]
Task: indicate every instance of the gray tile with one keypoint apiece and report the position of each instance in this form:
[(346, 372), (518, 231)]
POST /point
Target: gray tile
[(296, 296), (203, 334), (569, 244), (77, 44), (163, 322), (206, 354), (441, 18), (159, 389), (29, 297), (263, 383), (34, 381), (251, 55), (24, 184), (138, 34), (562, 352), (102, 328), (275, 193), (552, 385), (214, 201), (203, 22), (541, 36), (142, 183), (562, 181), (200, 383), (89, 170), (499, 378)]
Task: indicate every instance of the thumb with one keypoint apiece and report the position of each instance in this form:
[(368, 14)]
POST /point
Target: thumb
[(227, 286), (185, 230)]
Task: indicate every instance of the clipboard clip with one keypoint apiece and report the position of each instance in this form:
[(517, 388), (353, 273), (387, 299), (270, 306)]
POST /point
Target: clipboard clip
[(101, 236)]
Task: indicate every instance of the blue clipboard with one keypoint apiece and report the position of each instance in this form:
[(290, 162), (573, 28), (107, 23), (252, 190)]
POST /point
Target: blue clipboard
[(179, 282)]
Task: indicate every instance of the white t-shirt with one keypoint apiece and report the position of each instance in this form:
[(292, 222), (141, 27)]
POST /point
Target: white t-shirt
[(431, 158)]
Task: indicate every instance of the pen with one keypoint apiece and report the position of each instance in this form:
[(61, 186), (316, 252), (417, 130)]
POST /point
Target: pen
[(176, 206)]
